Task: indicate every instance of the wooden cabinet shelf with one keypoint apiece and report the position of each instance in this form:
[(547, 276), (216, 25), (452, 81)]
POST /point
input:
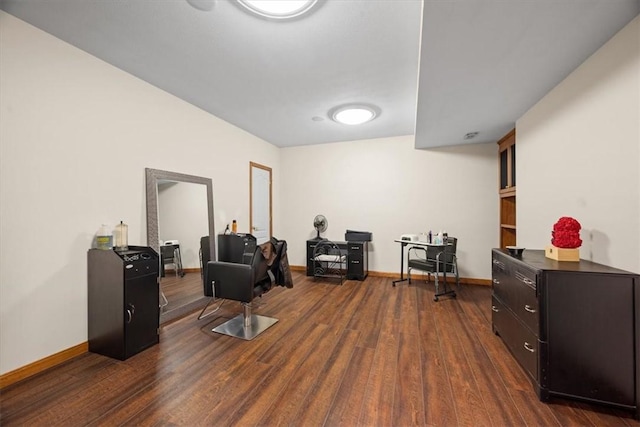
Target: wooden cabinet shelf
[(508, 192), (507, 188)]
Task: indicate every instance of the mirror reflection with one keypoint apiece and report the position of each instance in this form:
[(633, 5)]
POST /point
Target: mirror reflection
[(182, 221), (179, 214)]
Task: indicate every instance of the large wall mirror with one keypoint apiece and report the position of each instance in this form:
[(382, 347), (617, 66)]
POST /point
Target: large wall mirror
[(179, 214)]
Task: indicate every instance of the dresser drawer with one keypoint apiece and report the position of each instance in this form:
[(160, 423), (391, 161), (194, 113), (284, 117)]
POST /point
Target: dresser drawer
[(525, 275), (500, 281), (510, 266), (527, 309), (522, 343), (356, 248), (355, 252), (516, 288)]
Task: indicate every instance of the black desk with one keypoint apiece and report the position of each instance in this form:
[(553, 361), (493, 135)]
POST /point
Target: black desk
[(357, 258), (403, 243)]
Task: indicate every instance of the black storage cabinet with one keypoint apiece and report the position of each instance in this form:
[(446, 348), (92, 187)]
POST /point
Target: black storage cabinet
[(123, 301), (573, 326), (357, 258)]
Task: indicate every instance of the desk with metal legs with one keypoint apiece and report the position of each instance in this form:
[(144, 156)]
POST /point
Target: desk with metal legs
[(403, 243), (441, 249)]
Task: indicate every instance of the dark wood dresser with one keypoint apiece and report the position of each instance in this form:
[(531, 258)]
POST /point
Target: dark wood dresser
[(573, 326)]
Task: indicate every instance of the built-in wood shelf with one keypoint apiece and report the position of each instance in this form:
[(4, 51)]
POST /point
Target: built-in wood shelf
[(507, 188)]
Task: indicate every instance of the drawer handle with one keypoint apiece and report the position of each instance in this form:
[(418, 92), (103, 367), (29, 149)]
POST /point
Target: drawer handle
[(529, 309), (494, 309), (527, 281), (528, 347), (496, 281)]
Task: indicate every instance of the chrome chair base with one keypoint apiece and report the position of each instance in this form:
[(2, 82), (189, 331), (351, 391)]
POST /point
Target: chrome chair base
[(246, 326)]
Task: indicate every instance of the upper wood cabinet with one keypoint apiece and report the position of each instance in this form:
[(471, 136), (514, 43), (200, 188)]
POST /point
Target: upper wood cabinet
[(507, 150), (507, 188)]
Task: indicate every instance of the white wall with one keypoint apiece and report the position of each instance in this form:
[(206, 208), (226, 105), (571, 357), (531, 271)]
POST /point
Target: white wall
[(387, 187), (77, 134), (75, 137), (183, 215), (579, 155)]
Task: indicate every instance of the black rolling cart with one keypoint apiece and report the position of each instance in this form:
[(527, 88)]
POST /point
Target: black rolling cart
[(123, 295)]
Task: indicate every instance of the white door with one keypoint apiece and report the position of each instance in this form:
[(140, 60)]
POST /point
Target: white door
[(260, 203)]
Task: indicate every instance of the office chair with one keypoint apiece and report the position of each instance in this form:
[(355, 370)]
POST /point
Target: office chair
[(436, 260), (246, 282)]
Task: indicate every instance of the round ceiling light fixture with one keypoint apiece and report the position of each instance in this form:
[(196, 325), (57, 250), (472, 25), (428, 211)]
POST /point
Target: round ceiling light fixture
[(354, 114), (278, 9)]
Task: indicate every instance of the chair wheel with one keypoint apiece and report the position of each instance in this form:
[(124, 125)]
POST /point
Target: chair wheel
[(435, 299)]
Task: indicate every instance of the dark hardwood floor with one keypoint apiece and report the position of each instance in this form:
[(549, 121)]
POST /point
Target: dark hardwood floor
[(181, 291), (360, 354)]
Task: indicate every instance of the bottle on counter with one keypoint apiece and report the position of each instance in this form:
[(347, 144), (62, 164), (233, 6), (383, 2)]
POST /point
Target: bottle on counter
[(234, 227), (122, 236), (438, 238), (104, 239)]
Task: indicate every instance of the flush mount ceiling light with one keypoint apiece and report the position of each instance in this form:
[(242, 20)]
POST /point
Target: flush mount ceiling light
[(278, 9), (353, 114)]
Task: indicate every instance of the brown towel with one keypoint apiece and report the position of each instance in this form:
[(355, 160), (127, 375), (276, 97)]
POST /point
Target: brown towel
[(268, 252), (268, 249)]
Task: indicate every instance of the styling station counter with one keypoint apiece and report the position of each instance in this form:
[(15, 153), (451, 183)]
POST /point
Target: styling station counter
[(574, 327), (123, 295)]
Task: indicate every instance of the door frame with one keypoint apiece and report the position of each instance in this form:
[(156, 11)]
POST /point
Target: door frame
[(270, 171)]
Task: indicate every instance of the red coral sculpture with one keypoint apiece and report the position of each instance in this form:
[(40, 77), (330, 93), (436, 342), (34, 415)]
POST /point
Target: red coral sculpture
[(566, 233)]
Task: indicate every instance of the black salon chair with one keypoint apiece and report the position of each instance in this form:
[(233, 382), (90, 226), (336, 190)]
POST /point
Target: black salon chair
[(436, 260), (246, 282), (170, 254)]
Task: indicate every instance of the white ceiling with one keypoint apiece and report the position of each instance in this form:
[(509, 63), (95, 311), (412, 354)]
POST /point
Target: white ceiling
[(437, 70)]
